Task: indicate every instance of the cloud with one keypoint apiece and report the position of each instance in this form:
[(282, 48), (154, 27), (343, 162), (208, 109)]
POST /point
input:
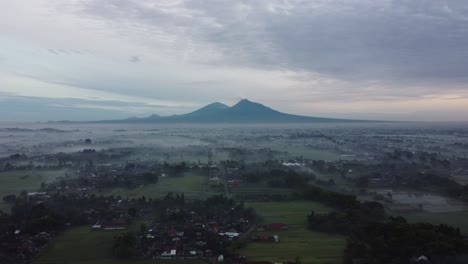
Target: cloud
[(391, 40), (285, 53)]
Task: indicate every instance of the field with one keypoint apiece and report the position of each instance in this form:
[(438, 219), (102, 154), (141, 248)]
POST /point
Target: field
[(457, 219), (193, 186), (14, 182), (81, 245), (297, 241), (257, 189)]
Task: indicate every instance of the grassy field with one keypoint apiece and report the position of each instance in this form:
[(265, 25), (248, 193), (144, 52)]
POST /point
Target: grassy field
[(457, 219), (258, 189), (297, 241), (82, 245), (193, 186), (14, 182)]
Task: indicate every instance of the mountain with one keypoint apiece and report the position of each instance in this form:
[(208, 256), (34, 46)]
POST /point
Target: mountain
[(207, 110), (244, 111)]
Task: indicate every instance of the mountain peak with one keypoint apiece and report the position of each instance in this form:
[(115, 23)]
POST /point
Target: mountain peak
[(245, 111), (216, 105), (209, 109), (244, 101), (247, 105)]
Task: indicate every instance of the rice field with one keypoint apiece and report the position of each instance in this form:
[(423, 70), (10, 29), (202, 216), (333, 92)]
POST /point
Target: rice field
[(297, 241)]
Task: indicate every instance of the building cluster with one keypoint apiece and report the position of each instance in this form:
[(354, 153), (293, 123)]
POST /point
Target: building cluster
[(198, 235)]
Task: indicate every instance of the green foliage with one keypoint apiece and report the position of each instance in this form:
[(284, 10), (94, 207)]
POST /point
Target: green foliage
[(373, 239), (396, 241), (124, 245), (333, 199), (362, 182), (348, 220), (132, 211), (150, 177)]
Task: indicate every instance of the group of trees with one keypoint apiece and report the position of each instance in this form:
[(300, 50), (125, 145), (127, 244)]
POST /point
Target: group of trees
[(445, 185), (374, 238), (346, 220), (125, 245), (330, 198), (396, 241), (176, 169)]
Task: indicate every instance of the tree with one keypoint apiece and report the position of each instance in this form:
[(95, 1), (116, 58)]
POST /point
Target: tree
[(150, 177), (132, 211), (362, 182), (143, 228), (124, 245)]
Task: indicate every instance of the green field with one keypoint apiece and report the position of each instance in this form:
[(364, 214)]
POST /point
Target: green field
[(81, 245), (193, 186), (258, 189), (456, 219), (297, 241), (14, 182)]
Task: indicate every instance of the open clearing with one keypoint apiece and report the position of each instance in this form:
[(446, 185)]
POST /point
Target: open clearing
[(14, 182), (456, 219), (297, 241), (193, 186)]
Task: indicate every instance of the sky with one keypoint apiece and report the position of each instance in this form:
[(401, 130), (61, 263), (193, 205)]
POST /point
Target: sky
[(106, 59)]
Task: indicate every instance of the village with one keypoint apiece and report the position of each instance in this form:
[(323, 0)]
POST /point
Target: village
[(218, 201)]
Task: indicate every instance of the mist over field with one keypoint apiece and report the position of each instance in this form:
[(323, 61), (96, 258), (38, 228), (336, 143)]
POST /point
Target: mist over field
[(104, 182)]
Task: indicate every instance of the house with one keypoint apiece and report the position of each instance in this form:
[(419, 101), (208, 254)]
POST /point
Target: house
[(96, 226), (169, 254), (234, 183), (230, 234), (422, 260), (215, 181), (115, 225)]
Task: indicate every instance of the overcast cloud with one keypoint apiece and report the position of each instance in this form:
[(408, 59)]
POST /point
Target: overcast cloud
[(386, 59)]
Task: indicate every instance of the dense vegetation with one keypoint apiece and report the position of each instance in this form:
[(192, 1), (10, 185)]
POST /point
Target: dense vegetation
[(374, 238)]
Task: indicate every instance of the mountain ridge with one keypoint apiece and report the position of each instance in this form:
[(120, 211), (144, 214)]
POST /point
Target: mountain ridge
[(245, 111)]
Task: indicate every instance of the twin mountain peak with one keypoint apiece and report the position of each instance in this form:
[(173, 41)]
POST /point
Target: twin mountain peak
[(244, 111)]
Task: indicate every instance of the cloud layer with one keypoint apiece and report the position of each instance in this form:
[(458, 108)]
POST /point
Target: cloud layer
[(390, 59)]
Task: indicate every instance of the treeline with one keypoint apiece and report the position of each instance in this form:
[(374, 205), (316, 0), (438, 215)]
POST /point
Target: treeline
[(396, 241), (347, 220), (330, 198), (374, 238), (445, 185)]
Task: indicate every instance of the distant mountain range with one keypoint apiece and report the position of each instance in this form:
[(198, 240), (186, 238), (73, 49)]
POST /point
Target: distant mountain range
[(244, 111)]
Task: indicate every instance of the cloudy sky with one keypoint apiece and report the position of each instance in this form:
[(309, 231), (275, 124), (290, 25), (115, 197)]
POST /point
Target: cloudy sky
[(100, 59)]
